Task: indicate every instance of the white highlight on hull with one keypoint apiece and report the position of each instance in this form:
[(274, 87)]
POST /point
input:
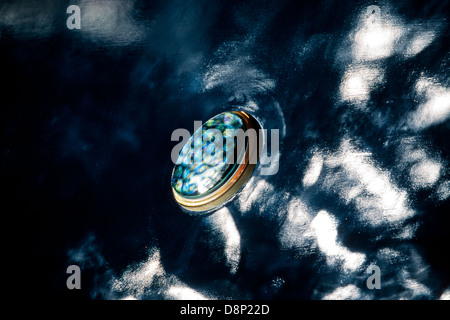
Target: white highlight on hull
[(313, 171), (358, 82), (349, 292), (445, 295), (260, 193), (436, 106), (137, 279), (369, 188), (324, 226), (184, 293), (222, 222), (295, 231), (419, 42)]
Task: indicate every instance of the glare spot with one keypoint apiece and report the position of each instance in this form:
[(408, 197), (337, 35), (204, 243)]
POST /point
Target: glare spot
[(295, 231), (28, 19), (358, 82), (259, 193), (417, 288), (349, 292), (313, 170), (381, 202), (424, 169), (110, 21), (425, 173), (324, 226), (138, 279), (419, 42), (376, 39), (406, 232), (222, 221), (435, 109), (238, 76), (184, 293), (445, 295), (390, 255), (443, 191)]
